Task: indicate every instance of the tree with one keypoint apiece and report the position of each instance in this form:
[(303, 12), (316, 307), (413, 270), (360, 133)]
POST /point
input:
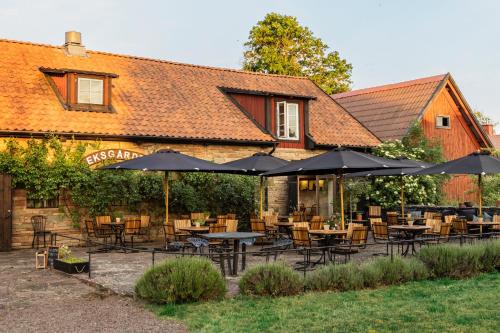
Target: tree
[(280, 45)]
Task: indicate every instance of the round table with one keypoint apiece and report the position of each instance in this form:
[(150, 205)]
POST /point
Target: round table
[(195, 230), (486, 225), (236, 237), (410, 232)]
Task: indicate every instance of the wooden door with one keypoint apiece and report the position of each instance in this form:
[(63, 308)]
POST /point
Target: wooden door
[(5, 212)]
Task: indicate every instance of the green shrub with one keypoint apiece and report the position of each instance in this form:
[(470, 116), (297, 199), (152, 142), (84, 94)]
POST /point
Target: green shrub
[(180, 280), (275, 279), (395, 271), (336, 277), (457, 262)]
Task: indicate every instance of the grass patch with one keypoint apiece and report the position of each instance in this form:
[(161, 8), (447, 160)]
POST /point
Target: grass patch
[(440, 305)]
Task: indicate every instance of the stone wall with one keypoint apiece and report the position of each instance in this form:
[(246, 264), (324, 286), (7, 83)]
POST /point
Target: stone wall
[(59, 222)]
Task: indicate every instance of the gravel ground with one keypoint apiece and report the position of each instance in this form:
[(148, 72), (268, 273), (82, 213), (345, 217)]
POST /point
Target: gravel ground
[(48, 301)]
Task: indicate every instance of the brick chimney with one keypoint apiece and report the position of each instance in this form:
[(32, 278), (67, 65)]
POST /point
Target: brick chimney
[(488, 128), (73, 44)]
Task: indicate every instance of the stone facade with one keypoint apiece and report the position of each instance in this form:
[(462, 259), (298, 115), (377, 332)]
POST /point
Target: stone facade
[(59, 222)]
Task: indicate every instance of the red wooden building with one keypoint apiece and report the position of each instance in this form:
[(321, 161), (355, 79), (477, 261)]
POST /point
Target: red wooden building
[(437, 103)]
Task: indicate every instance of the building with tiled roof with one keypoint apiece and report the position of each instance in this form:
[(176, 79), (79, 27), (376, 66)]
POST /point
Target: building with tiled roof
[(436, 102), (130, 105)]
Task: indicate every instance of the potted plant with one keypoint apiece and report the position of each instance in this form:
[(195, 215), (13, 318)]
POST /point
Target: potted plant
[(70, 264)]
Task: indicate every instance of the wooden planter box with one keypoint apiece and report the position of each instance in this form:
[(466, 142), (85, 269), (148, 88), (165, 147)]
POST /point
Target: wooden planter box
[(80, 267)]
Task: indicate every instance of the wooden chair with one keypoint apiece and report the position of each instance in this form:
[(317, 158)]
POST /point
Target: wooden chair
[(297, 217), (89, 228), (428, 215), (231, 225), (145, 229), (197, 217), (374, 211), (317, 222), (449, 218), (459, 226), (381, 235), (39, 224), (103, 232), (301, 225), (231, 216), (221, 219), (442, 236), (351, 245), (132, 228), (435, 226), (375, 220), (350, 228), (392, 218), (179, 234), (102, 219), (300, 237)]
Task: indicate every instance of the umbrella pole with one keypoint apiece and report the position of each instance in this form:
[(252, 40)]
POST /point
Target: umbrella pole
[(341, 185), (261, 189), (165, 189), (402, 197), (480, 196)]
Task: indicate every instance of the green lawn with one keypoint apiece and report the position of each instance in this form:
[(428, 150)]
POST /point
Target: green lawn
[(471, 305)]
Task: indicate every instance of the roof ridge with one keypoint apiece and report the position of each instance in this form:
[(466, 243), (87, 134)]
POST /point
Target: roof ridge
[(391, 86), (224, 69)]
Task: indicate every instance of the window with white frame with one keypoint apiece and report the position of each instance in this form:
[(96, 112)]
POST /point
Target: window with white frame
[(287, 120), (443, 122), (90, 91)]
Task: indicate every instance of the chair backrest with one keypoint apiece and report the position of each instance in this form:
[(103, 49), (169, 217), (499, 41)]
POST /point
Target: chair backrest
[(301, 225), (102, 219), (460, 226), (181, 224), (231, 225), (496, 218), (145, 221), (375, 220), (231, 216), (198, 216), (380, 231), (132, 226), (297, 216), (300, 236), (213, 228), (374, 211), (317, 222), (89, 226), (350, 228), (449, 218), (434, 224), (39, 222), (428, 215), (359, 234), (257, 225), (221, 219), (444, 230), (169, 231), (270, 220), (392, 218)]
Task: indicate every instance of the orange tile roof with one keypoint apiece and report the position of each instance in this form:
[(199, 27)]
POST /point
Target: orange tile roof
[(155, 98), (389, 110)]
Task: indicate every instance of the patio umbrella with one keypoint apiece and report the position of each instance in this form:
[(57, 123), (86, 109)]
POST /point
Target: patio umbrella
[(255, 165), (401, 172), (477, 163), (338, 161), (169, 160)]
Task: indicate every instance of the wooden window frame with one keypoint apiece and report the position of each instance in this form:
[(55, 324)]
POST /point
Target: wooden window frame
[(442, 126), (287, 125)]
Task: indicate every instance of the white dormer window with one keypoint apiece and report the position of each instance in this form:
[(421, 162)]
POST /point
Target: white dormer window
[(287, 121), (90, 91), (443, 122)]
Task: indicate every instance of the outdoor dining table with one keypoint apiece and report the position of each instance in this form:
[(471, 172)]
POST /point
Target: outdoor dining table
[(285, 228), (195, 230), (484, 224), (410, 233), (117, 229), (236, 237), (329, 236)]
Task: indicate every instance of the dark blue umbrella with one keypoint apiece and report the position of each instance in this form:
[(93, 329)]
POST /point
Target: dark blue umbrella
[(257, 164), (417, 166), (479, 163), (337, 161), (170, 160)]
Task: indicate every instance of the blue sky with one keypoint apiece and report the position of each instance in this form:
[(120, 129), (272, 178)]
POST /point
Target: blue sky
[(386, 41)]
